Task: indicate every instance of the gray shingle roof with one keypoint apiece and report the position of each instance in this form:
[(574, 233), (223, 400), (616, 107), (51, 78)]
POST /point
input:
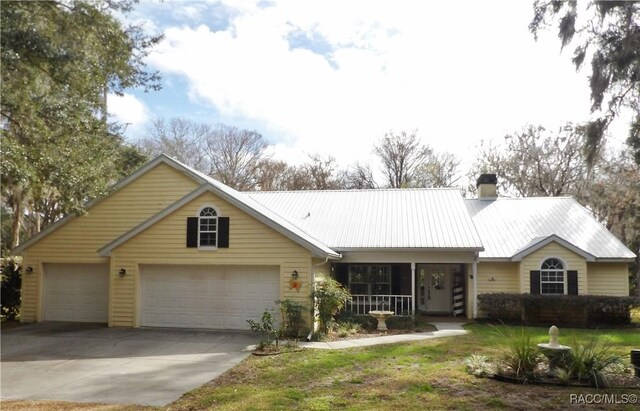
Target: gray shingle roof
[(508, 225), (353, 219)]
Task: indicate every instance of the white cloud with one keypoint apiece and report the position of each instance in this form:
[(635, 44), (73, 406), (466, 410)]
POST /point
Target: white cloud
[(127, 109), (457, 72)]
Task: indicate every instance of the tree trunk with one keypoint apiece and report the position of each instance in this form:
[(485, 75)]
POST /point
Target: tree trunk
[(638, 272), (15, 227)]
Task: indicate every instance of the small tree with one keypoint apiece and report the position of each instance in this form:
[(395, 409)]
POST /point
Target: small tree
[(330, 297), (292, 317), (266, 329)]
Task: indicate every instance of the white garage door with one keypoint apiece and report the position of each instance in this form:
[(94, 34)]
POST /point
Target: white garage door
[(76, 292), (207, 296)]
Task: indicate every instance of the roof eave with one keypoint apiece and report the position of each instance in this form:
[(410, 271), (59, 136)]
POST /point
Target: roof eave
[(316, 250), (162, 158), (547, 240), (382, 249)]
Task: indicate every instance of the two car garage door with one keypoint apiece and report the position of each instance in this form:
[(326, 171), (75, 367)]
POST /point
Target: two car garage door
[(170, 296), (206, 297)]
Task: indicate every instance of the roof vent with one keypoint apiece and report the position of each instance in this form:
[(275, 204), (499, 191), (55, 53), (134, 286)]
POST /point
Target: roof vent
[(487, 186)]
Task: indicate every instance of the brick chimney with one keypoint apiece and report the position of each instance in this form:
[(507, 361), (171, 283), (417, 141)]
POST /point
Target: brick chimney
[(486, 185)]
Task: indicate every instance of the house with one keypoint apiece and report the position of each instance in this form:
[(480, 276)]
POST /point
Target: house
[(172, 247)]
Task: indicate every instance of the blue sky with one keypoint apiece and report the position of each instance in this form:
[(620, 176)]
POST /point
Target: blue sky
[(332, 77)]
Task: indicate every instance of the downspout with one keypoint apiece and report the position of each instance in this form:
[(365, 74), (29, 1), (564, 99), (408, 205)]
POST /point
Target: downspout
[(474, 274)]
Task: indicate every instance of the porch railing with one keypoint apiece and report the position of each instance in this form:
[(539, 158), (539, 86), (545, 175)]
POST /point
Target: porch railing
[(362, 304)]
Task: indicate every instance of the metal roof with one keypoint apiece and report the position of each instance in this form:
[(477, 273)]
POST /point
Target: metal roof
[(508, 226), (392, 218)]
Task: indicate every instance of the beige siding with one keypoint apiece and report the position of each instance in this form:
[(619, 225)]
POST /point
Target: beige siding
[(572, 261), (495, 277), (250, 243), (608, 279), (78, 240)]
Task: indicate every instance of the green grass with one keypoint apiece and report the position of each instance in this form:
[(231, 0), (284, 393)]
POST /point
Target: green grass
[(421, 375)]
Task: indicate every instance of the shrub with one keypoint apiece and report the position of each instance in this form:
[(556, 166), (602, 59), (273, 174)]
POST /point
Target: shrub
[(478, 365), (346, 328), (521, 356), (590, 361), (568, 310), (330, 297), (265, 328), (11, 268), (292, 317)]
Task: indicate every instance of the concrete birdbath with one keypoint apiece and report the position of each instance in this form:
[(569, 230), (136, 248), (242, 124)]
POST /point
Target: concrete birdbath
[(553, 351), (382, 317)]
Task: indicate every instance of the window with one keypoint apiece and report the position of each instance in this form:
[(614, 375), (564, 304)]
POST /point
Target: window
[(552, 277), (370, 279), (207, 227)]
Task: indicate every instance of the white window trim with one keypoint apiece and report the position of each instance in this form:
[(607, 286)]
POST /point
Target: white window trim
[(565, 278), (209, 247)]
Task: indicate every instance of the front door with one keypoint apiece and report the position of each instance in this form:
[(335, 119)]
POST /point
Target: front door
[(434, 288)]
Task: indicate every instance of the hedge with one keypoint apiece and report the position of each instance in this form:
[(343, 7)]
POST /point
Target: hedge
[(567, 310)]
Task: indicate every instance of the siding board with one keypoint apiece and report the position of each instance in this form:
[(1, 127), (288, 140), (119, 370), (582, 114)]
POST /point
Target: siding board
[(78, 240), (250, 243)]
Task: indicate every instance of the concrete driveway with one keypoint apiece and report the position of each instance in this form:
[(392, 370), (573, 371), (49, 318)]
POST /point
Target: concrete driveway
[(93, 363)]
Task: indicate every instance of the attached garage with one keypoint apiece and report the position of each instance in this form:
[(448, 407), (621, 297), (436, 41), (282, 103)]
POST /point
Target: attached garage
[(215, 297), (76, 292)]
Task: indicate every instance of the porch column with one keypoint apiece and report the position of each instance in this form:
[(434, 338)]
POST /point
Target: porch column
[(474, 273), (413, 288)]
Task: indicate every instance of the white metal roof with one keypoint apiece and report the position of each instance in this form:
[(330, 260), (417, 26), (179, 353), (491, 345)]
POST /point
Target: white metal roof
[(508, 226), (393, 218)]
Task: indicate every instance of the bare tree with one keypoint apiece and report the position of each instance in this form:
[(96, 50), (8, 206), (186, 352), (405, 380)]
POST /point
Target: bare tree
[(535, 162), (613, 195), (439, 170), (401, 154), (227, 153), (359, 176), (234, 156), (178, 138), (275, 175)]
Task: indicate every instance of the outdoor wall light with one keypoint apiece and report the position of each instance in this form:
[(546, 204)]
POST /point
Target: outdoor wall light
[(29, 270), (122, 272), (294, 274)]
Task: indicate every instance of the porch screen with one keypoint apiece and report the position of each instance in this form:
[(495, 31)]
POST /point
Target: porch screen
[(370, 279)]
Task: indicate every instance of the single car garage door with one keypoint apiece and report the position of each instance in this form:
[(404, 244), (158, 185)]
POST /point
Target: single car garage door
[(213, 297), (76, 292)]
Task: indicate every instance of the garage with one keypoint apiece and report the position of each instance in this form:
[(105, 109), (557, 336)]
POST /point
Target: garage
[(76, 292), (214, 297)]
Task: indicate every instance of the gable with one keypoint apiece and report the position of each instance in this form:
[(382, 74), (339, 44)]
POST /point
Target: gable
[(250, 241), (113, 215), (539, 243)]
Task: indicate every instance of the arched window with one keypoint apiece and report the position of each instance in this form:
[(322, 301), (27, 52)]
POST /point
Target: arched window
[(208, 227), (552, 277)]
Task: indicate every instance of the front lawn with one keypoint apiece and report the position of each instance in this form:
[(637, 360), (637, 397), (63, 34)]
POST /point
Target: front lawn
[(422, 375)]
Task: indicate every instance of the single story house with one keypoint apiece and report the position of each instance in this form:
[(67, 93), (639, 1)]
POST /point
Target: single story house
[(172, 247)]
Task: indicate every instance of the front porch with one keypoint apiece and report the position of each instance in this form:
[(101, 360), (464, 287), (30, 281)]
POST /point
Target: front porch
[(405, 288)]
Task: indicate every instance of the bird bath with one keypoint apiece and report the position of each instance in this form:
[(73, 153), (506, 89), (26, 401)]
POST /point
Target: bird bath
[(556, 353), (381, 316)]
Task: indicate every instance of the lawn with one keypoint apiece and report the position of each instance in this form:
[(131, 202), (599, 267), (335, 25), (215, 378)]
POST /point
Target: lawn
[(421, 375), (424, 375)]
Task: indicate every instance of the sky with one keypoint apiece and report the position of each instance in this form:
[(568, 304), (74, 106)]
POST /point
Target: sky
[(332, 77)]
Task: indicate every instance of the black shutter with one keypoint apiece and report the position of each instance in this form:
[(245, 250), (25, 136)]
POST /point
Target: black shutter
[(192, 232), (534, 277), (572, 278), (223, 232)]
